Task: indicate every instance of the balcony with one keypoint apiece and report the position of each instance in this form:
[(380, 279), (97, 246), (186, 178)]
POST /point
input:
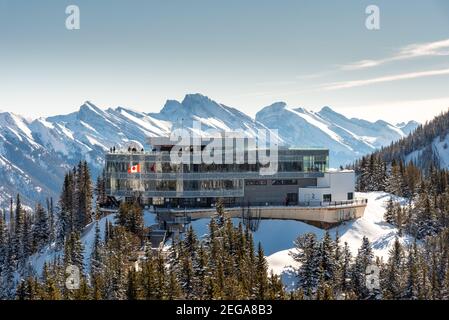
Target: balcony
[(212, 175), (176, 194)]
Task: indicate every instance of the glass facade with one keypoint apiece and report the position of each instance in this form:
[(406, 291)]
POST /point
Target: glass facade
[(157, 176)]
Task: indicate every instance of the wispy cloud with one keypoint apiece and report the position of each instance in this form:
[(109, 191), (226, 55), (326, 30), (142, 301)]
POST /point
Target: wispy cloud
[(437, 48), (396, 77)]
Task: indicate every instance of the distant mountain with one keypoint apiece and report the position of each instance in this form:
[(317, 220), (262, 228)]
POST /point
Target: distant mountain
[(408, 127), (34, 155), (347, 139)]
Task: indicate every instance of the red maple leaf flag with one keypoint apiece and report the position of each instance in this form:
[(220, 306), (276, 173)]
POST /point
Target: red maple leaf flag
[(135, 168)]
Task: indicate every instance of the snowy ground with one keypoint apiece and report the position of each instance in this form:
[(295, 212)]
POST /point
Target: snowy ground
[(381, 235)]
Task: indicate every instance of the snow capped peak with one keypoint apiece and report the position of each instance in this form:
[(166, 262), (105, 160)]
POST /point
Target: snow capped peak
[(408, 127), (200, 105), (196, 98), (89, 108), (276, 106), (171, 107), (327, 109), (271, 111)]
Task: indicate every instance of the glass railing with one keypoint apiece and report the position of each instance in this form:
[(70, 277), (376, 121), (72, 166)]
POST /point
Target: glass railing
[(212, 175), (176, 194)]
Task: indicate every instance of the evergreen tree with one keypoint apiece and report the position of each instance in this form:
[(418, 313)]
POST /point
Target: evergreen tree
[(389, 215), (51, 221), (27, 238), (132, 292), (345, 271), (261, 289), (96, 253), (363, 259), (130, 216), (393, 279), (327, 255), (65, 219), (84, 195), (7, 281), (41, 228), (18, 230), (307, 255), (3, 243)]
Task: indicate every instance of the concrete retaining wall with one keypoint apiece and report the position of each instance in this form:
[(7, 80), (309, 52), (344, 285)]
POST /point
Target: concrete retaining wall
[(330, 215)]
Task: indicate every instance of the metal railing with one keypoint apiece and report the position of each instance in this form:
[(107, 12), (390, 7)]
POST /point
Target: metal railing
[(333, 203), (255, 205), (173, 194), (213, 175)]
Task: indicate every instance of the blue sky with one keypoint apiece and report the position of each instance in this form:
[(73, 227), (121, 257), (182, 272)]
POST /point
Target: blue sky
[(246, 54)]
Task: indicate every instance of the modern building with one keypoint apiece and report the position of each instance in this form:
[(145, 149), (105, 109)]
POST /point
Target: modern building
[(333, 186), (301, 186)]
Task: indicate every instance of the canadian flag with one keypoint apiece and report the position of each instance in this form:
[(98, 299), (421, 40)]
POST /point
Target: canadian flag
[(134, 168)]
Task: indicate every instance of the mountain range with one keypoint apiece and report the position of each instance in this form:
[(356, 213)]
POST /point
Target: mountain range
[(34, 155)]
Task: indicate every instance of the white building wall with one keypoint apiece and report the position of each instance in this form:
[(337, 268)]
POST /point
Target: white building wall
[(338, 184)]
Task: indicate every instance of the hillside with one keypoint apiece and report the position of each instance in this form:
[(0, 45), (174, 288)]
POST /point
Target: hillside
[(372, 225), (428, 144)]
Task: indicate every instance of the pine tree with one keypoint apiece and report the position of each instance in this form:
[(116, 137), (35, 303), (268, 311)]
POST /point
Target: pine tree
[(174, 290), (51, 290), (7, 280), (18, 230), (51, 221), (307, 254), (3, 249), (261, 290), (11, 216), (345, 271), (41, 228), (393, 287), (130, 216), (132, 292), (411, 290), (27, 238), (65, 218), (395, 181), (327, 255), (73, 251), (389, 215), (96, 254), (363, 259), (275, 287), (100, 190), (83, 195)]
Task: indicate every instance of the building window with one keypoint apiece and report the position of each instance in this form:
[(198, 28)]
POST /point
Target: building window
[(284, 182), (327, 197), (350, 195), (256, 182)]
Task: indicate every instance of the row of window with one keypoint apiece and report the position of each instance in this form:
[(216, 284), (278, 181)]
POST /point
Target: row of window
[(172, 185), (328, 197), (261, 182), (167, 167)]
